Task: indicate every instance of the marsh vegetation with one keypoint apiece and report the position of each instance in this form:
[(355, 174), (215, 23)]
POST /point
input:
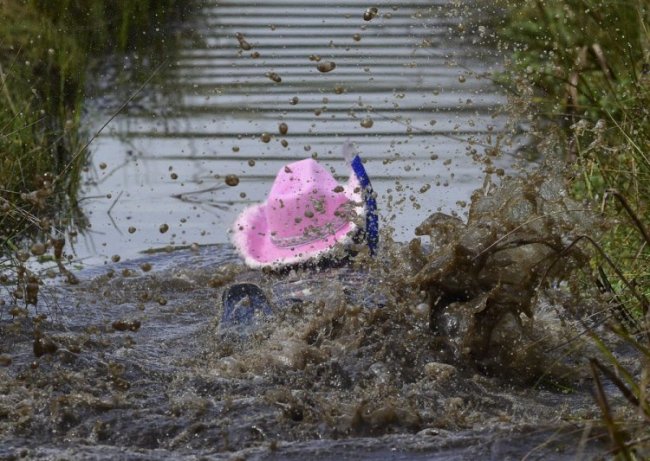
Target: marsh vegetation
[(47, 50), (581, 71)]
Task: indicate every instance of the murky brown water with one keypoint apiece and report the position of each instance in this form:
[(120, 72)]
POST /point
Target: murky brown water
[(474, 352), (137, 365)]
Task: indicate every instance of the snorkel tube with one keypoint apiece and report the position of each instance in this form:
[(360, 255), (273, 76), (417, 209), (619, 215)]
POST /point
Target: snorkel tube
[(369, 201)]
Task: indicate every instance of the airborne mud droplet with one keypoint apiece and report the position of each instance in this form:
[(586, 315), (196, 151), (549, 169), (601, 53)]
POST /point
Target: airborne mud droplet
[(163, 228), (243, 44), (38, 249), (367, 122), (232, 180), (274, 76), (325, 67), (283, 128), (265, 137), (370, 14)]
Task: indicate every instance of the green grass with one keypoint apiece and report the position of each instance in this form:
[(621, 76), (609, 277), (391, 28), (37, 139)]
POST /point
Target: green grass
[(589, 64), (583, 69), (46, 49)]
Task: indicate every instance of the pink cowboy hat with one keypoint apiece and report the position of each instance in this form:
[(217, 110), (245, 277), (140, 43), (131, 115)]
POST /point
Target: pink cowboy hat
[(304, 216)]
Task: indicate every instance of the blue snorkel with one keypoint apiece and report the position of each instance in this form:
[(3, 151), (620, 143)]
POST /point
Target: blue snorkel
[(369, 201)]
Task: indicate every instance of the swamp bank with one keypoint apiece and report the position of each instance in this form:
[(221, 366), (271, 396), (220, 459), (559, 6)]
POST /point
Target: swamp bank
[(580, 70), (46, 52)]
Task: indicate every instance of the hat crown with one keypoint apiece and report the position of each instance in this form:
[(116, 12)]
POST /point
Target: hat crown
[(305, 204)]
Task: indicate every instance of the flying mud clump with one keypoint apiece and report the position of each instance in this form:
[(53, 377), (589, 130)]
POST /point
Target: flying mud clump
[(483, 277)]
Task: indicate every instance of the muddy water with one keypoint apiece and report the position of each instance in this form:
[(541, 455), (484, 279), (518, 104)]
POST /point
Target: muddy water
[(137, 365), (134, 362)]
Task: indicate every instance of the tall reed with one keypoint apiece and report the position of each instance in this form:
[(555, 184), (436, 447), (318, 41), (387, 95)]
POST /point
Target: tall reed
[(46, 48), (585, 68)]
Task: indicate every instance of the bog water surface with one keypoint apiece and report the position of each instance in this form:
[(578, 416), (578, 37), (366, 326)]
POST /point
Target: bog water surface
[(411, 87)]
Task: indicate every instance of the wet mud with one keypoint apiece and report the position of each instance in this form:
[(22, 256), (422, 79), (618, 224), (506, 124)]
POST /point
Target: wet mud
[(461, 343)]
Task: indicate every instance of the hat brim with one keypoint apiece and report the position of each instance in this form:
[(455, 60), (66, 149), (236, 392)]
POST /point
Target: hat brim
[(252, 239)]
